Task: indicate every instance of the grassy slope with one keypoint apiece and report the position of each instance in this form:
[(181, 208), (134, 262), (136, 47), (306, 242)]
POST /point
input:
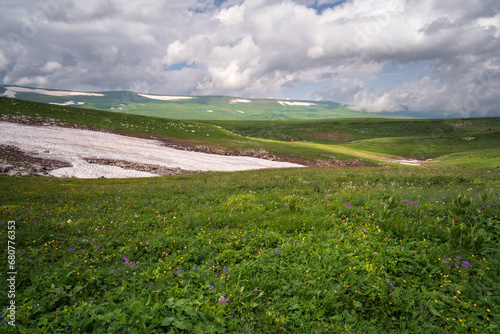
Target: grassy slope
[(303, 140), (298, 250), (417, 139)]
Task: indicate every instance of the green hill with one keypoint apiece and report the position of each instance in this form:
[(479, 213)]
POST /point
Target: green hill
[(193, 107)]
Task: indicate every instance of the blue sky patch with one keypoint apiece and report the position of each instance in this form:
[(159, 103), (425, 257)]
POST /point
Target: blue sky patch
[(321, 8), (178, 66)]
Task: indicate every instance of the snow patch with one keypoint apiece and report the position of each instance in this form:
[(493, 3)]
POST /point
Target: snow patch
[(166, 97), (68, 103), (76, 145), (232, 101), (303, 104), (50, 92), (9, 93)]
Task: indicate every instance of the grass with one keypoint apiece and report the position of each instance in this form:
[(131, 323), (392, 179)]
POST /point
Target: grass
[(296, 250), (417, 139)]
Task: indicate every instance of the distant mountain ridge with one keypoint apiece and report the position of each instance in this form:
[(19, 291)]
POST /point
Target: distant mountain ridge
[(187, 107), (202, 107)]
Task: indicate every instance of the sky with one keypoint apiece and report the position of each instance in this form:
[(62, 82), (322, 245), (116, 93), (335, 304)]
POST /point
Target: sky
[(373, 55)]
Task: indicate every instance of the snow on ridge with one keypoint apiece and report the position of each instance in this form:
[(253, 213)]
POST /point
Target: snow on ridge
[(238, 100), (302, 104), (166, 97), (47, 92)]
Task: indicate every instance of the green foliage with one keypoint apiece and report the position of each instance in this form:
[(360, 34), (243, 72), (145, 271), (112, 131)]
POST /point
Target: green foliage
[(471, 238), (460, 206), (374, 250)]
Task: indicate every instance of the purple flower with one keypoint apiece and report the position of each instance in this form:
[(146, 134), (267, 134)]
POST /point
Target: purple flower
[(180, 271), (99, 248), (224, 270), (71, 249), (217, 267), (194, 268), (392, 286)]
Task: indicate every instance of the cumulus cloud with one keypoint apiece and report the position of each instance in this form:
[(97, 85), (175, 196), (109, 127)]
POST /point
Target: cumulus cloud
[(256, 48)]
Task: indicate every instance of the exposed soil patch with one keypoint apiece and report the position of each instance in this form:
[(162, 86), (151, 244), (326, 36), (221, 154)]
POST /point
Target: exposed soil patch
[(27, 120), (13, 161), (333, 136), (150, 168)]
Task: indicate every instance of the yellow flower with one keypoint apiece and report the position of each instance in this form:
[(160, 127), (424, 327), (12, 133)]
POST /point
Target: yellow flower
[(458, 292), (488, 309)]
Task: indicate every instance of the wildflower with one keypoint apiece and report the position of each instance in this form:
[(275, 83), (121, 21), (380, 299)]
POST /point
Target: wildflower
[(224, 270), (99, 248), (71, 249), (180, 271), (392, 286)]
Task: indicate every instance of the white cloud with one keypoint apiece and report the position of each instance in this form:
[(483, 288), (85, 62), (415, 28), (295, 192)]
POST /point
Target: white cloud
[(51, 66), (178, 52)]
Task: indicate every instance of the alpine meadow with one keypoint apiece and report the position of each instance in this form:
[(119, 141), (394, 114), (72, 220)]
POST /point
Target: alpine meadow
[(356, 242)]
